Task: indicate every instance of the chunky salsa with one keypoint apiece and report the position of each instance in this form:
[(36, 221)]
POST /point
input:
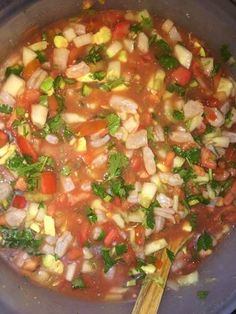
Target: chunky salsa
[(115, 127)]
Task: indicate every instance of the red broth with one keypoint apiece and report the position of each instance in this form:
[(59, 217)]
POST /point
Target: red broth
[(116, 127)]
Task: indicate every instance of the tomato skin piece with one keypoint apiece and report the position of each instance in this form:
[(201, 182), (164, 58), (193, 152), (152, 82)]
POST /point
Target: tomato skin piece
[(84, 231), (48, 182), (3, 138), (207, 158), (74, 253), (130, 257), (29, 97), (30, 69), (181, 75), (26, 148), (113, 235), (140, 235), (91, 127), (19, 202), (52, 105), (121, 30)]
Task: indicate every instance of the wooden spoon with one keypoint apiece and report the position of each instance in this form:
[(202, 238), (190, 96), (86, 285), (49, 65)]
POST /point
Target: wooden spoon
[(151, 293)]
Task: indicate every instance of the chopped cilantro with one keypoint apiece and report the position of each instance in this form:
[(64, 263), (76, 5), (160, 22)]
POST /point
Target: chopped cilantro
[(149, 213), (202, 294), (216, 69), (225, 53), (162, 44), (150, 134), (98, 75), (192, 155), (119, 188), (16, 69), (110, 85), (100, 191), (24, 239), (5, 109), (108, 261), (41, 56), (114, 122), (146, 22), (204, 242), (192, 218), (176, 88), (136, 28), (66, 171), (170, 255), (101, 236), (116, 163), (95, 54), (168, 62), (92, 217), (178, 115), (78, 283), (121, 249)]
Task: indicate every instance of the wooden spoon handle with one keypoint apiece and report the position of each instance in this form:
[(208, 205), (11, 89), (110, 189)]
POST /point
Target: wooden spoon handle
[(150, 296)]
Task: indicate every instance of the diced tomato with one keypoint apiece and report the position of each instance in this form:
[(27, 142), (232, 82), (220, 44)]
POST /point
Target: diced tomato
[(21, 184), (26, 148), (48, 182), (117, 201), (140, 235), (121, 30), (147, 57), (230, 154), (158, 263), (169, 159), (74, 253), (130, 257), (27, 98), (181, 75), (210, 114), (52, 105), (91, 127), (2, 220), (74, 54), (111, 17), (3, 138), (211, 101), (207, 158), (19, 202), (137, 162), (83, 232), (112, 236), (202, 128), (30, 69)]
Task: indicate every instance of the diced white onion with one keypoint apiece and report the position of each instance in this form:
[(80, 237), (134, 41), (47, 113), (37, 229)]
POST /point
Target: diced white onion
[(192, 108), (129, 45), (39, 115), (5, 190), (230, 135), (52, 139), (71, 117), (183, 55), (171, 179), (164, 200), (15, 217), (60, 58), (142, 42), (131, 125), (63, 244), (175, 35), (7, 99), (77, 70), (80, 29), (149, 160), (69, 34), (121, 103), (70, 271), (167, 25), (36, 79), (181, 137), (137, 140), (83, 40), (68, 184), (13, 85), (99, 160), (101, 141)]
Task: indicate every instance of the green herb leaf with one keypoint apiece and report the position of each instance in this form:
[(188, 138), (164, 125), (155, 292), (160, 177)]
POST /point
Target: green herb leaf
[(24, 239), (204, 242), (176, 88), (114, 122), (192, 155), (100, 191), (86, 90), (16, 69), (78, 283), (192, 218), (178, 115), (119, 188), (149, 213), (150, 135), (202, 294), (109, 86), (116, 163), (136, 28), (168, 62), (98, 75), (225, 53), (5, 109), (101, 236), (146, 22), (121, 249), (162, 44), (41, 56), (108, 261), (185, 173), (170, 255), (66, 171), (92, 217), (95, 54)]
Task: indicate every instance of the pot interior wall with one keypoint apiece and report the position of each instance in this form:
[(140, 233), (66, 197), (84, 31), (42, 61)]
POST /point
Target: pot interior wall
[(214, 22)]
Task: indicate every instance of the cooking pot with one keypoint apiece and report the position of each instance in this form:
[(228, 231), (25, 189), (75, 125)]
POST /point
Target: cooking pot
[(213, 21)]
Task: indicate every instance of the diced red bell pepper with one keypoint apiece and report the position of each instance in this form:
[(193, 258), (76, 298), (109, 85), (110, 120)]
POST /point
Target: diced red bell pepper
[(26, 148), (121, 30), (3, 138), (181, 75), (19, 202), (48, 182)]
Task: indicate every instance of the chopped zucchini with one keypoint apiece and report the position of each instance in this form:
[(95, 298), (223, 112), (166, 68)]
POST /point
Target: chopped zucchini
[(28, 55), (225, 86), (113, 49), (113, 71), (52, 264), (183, 55), (49, 226), (147, 194), (155, 246), (156, 81), (41, 45)]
